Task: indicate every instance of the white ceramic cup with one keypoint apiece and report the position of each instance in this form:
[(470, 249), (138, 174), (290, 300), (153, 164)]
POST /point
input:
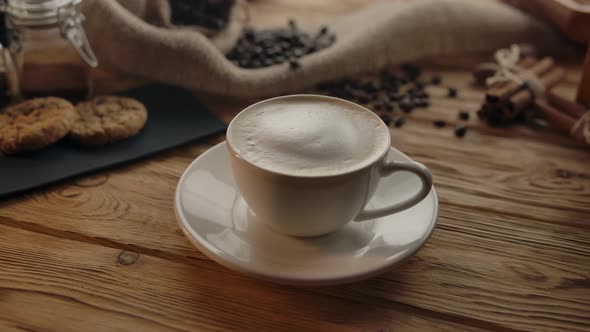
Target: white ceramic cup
[(316, 205)]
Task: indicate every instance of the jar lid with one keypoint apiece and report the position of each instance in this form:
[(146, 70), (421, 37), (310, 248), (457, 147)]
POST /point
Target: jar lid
[(40, 12)]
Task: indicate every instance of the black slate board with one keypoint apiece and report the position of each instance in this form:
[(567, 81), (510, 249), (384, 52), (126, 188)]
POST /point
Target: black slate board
[(175, 117)]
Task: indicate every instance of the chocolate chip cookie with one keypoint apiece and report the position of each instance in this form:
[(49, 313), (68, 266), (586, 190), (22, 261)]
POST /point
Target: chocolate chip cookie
[(35, 123), (108, 119)]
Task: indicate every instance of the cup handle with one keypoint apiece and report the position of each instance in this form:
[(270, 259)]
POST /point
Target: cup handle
[(395, 166)]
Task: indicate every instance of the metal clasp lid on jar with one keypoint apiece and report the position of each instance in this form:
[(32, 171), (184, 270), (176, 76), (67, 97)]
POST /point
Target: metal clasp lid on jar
[(64, 13)]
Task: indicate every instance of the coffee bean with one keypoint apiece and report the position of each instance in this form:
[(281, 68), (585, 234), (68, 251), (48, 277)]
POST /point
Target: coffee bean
[(298, 53), (423, 94), (406, 106), (436, 80), (463, 115), (412, 72), (388, 107), (452, 92), (394, 96), (460, 130), (377, 107), (439, 123), (294, 64), (399, 121), (277, 45), (386, 118), (422, 103)]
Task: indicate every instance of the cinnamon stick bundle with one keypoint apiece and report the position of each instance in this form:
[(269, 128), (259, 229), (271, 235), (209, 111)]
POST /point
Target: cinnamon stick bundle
[(499, 92), (506, 102)]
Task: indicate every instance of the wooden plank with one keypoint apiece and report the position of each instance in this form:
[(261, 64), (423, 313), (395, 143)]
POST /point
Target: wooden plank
[(489, 268), (49, 283), (472, 248)]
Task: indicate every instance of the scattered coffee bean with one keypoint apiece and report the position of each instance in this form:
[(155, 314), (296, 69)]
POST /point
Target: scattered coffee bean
[(390, 92), (452, 93), (386, 118), (460, 130), (463, 115), (411, 71), (422, 103), (263, 48), (399, 121), (436, 80), (363, 99), (407, 107), (439, 123)]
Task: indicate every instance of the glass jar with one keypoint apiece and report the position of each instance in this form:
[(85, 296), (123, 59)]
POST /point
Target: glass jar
[(49, 53)]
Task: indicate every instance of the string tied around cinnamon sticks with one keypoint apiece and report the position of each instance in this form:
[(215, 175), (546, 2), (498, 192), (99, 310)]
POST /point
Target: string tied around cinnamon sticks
[(507, 68), (507, 101), (582, 127)]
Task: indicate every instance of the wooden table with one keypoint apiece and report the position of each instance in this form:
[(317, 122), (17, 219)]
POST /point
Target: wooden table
[(511, 251)]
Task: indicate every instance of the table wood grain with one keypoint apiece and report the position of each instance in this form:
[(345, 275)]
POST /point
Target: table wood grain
[(511, 251)]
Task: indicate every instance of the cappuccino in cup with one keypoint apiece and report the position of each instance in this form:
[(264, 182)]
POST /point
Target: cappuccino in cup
[(308, 164)]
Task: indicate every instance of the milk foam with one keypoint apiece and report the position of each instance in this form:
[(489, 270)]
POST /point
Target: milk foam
[(308, 136)]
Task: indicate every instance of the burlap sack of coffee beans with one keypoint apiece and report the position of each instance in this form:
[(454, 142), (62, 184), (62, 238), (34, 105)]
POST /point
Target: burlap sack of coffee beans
[(136, 37)]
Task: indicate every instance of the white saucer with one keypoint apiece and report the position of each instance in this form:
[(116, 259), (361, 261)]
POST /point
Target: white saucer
[(215, 218)]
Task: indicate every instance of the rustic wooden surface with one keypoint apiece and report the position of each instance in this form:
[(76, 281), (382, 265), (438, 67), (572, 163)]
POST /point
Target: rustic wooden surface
[(511, 252)]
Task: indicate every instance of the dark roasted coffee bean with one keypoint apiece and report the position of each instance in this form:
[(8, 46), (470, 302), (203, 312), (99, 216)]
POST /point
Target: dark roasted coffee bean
[(294, 64), (412, 72), (393, 96), (422, 94), (422, 103), (363, 99), (399, 121), (419, 85), (463, 115), (460, 130), (452, 93), (292, 24), (436, 80), (406, 106), (323, 30), (388, 107), (284, 45), (439, 123), (298, 53), (386, 118), (377, 107)]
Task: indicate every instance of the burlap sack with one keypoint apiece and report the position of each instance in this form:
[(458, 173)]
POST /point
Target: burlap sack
[(137, 38)]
